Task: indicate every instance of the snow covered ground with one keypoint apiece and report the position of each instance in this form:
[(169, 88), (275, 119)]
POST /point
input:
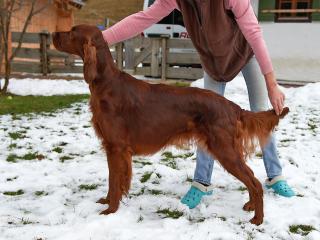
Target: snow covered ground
[(67, 173), (43, 87)]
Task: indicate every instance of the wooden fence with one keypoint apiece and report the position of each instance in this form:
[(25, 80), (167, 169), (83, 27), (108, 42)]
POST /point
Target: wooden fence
[(154, 57), (38, 56)]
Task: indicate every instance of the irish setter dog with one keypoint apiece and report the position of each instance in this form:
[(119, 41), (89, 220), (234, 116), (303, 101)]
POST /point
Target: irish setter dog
[(132, 117)]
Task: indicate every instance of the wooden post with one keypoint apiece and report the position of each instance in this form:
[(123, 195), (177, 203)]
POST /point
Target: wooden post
[(164, 54), (1, 53), (129, 56), (155, 57), (44, 43), (106, 22), (119, 54)]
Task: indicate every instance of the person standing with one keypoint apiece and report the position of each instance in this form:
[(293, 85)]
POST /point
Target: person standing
[(228, 38)]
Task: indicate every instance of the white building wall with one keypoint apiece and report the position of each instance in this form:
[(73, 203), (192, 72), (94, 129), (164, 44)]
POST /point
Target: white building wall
[(294, 48)]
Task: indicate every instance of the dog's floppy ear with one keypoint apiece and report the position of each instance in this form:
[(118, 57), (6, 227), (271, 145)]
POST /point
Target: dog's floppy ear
[(90, 62)]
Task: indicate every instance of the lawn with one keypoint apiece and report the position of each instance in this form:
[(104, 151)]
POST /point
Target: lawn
[(13, 104)]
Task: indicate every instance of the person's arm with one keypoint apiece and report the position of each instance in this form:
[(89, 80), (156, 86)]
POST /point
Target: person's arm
[(136, 23), (249, 26)]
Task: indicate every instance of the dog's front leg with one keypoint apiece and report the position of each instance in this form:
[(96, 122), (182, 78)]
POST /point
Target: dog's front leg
[(119, 161)]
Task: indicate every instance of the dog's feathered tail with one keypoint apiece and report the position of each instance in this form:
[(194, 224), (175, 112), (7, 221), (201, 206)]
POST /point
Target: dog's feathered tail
[(256, 126)]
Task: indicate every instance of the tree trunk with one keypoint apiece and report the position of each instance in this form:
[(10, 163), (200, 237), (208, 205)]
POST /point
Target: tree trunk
[(1, 51), (6, 78), (7, 67)]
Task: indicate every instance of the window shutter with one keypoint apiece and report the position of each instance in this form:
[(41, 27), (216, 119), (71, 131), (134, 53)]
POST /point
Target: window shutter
[(316, 5), (267, 4)]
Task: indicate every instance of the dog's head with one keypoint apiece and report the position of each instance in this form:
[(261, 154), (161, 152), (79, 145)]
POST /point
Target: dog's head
[(84, 41)]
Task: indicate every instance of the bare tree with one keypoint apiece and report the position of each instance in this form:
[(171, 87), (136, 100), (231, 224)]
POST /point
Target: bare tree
[(7, 9)]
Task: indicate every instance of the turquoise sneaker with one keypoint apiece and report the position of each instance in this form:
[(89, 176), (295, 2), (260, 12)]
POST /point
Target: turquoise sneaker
[(194, 195), (280, 187)]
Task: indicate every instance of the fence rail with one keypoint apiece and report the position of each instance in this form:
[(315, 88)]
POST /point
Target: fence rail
[(155, 57)]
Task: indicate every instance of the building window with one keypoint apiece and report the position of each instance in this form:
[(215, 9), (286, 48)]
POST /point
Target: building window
[(293, 10)]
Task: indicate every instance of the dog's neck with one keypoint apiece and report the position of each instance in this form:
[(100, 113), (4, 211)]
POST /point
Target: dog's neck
[(106, 68), (104, 60)]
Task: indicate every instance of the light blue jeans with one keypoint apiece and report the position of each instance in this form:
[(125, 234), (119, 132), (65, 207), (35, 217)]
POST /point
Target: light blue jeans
[(258, 98)]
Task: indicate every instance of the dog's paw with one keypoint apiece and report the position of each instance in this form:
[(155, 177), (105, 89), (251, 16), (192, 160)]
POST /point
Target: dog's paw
[(108, 211), (249, 206), (256, 221), (103, 201)]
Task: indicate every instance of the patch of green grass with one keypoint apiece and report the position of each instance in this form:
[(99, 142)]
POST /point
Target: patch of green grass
[(169, 160), (41, 193), (143, 162), (145, 177), (139, 193), (167, 154), (186, 155), (26, 221), (88, 187), (181, 84), (287, 140), (196, 220), (175, 214), (29, 156), (75, 154), (57, 149), (292, 162), (16, 193), (17, 135), (65, 158), (15, 117), (242, 189), (189, 179), (37, 104), (140, 219), (250, 236), (200, 220), (12, 158), (312, 125), (62, 144), (301, 229), (12, 179), (12, 146), (155, 192)]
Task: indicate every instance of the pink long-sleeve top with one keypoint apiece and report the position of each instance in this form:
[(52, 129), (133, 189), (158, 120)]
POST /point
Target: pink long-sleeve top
[(242, 10)]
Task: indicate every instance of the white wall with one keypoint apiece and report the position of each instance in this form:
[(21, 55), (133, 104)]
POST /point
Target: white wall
[(294, 49)]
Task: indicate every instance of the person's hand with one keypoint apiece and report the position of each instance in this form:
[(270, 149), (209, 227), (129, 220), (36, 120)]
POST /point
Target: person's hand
[(276, 96)]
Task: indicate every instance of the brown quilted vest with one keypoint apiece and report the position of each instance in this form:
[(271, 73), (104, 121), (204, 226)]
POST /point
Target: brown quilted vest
[(215, 34)]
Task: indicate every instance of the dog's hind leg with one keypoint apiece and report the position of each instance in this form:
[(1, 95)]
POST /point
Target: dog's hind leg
[(249, 206), (119, 162), (235, 165)]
